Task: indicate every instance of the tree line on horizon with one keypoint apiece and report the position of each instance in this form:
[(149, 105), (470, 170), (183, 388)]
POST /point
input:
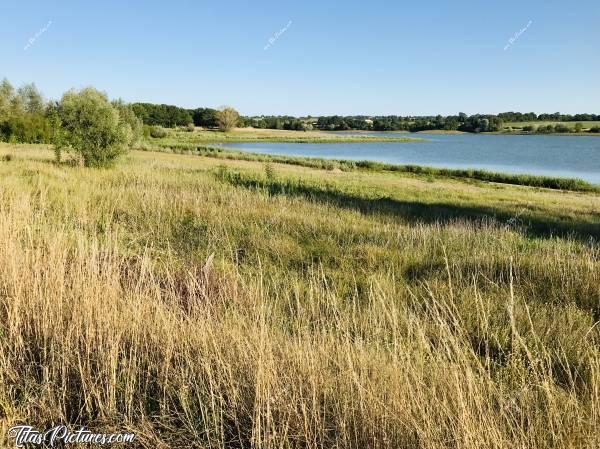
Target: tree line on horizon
[(25, 117), (169, 116)]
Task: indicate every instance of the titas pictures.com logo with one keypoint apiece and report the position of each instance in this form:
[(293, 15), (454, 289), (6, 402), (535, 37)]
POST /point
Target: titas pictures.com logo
[(27, 436)]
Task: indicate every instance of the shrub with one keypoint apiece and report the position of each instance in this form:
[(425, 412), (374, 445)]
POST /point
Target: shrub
[(548, 129), (158, 132), (92, 128), (269, 171), (25, 127), (190, 128), (127, 116)]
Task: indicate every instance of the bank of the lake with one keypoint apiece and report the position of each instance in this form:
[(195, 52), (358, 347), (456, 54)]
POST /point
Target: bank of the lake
[(550, 156)]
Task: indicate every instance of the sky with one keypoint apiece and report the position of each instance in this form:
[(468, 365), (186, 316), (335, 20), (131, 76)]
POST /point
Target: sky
[(313, 57)]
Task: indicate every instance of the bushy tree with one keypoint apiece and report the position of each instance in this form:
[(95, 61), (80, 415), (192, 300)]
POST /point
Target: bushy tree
[(31, 99), (205, 117), (227, 118), (158, 132), (92, 128), (127, 115), (7, 92)]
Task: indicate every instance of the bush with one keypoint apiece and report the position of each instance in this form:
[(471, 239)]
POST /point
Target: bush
[(158, 132), (269, 171), (548, 129), (190, 128), (128, 117), (25, 128), (92, 128)]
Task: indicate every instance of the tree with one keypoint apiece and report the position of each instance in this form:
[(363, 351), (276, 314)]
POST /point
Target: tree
[(7, 93), (92, 128), (127, 116), (205, 117), (31, 99), (161, 114), (227, 118)]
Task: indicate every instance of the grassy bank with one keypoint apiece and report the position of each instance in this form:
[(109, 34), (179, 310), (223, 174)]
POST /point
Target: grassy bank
[(588, 128), (204, 136), (585, 124), (205, 302), (372, 166)]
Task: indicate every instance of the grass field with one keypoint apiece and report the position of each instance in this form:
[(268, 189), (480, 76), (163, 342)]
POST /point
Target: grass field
[(203, 136), (210, 303), (586, 125)]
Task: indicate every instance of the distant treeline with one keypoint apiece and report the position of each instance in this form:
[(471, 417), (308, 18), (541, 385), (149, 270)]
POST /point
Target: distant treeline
[(461, 122), (25, 117), (172, 116), (169, 116)]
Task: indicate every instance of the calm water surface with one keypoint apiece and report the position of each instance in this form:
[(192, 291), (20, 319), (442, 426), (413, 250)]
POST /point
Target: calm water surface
[(564, 156)]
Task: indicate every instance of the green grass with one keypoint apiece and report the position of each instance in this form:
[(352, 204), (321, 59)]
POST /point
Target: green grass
[(586, 124), (201, 136), (210, 303)]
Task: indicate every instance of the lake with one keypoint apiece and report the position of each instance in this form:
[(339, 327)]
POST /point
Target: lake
[(560, 156)]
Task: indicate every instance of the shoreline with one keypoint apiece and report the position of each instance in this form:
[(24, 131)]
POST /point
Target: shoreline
[(522, 179)]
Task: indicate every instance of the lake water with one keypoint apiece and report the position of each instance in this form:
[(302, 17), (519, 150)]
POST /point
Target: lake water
[(561, 156)]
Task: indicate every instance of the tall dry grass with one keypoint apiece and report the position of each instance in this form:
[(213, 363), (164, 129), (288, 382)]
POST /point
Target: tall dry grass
[(115, 314)]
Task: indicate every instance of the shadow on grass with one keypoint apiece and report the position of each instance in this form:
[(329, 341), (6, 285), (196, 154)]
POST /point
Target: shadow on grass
[(418, 212)]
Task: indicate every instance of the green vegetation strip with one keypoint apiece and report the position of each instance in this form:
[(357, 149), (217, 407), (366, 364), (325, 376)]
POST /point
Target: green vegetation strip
[(215, 137), (572, 184)]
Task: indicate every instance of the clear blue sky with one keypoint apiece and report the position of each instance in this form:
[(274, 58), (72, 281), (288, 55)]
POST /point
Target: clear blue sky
[(336, 57)]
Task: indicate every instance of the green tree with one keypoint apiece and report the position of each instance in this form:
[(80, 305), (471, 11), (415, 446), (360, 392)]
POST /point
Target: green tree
[(92, 128), (127, 116), (7, 92), (31, 99)]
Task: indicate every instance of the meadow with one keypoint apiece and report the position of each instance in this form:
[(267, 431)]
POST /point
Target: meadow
[(211, 302), (202, 136), (586, 124)]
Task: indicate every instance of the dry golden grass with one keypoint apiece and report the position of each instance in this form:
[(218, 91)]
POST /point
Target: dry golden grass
[(200, 313)]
